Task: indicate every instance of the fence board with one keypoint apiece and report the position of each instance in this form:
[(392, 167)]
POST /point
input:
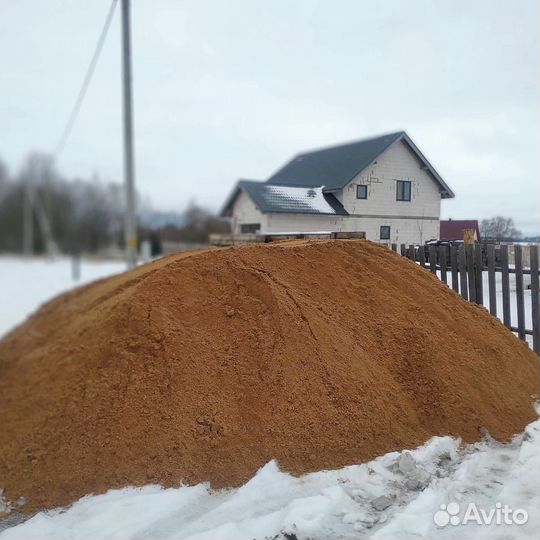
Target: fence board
[(478, 269), (443, 263), (519, 292), (422, 256), (469, 256), (466, 264), (462, 256), (491, 280), (535, 299), (433, 259), (507, 319), (454, 266)]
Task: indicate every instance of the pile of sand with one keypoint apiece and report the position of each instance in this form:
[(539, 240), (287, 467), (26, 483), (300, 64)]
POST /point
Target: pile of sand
[(206, 365)]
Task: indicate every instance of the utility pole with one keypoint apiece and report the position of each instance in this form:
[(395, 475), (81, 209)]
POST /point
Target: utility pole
[(129, 157), (28, 221)]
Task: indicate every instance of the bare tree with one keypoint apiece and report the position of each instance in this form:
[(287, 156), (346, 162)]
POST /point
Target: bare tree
[(499, 228)]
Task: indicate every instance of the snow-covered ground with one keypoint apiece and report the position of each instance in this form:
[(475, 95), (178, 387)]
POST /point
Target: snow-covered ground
[(396, 496), (27, 283)]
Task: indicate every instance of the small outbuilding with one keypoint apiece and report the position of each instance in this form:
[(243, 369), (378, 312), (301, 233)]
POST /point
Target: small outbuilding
[(457, 229)]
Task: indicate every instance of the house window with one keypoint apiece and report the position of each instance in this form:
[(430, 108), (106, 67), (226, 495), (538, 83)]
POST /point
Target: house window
[(403, 190), (250, 228), (385, 232), (361, 191)]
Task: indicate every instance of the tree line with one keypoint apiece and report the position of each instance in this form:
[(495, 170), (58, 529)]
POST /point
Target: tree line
[(80, 214)]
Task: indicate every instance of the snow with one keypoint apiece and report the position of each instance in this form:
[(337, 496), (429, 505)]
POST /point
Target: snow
[(322, 505), (27, 283), (392, 497), (299, 197)]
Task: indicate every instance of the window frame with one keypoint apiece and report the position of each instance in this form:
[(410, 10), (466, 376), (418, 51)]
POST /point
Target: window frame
[(364, 186), (385, 227), (400, 194), (255, 226)]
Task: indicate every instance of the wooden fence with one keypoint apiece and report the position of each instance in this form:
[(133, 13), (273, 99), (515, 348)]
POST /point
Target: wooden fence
[(462, 268)]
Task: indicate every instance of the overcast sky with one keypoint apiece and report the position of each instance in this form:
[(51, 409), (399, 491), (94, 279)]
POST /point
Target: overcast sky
[(229, 89)]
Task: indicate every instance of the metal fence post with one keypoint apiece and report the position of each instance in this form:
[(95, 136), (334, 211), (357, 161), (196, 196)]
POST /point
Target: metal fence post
[(535, 300)]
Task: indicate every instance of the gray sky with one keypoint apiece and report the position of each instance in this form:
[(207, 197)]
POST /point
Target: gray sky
[(233, 89)]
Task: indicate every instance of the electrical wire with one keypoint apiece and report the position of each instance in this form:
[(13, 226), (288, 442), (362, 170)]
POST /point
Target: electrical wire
[(86, 81)]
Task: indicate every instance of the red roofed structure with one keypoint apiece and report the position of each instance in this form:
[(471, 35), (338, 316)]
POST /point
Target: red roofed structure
[(453, 229)]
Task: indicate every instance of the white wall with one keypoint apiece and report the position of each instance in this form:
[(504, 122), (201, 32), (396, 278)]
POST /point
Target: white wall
[(303, 223), (411, 222), (396, 163), (245, 211), (402, 230)]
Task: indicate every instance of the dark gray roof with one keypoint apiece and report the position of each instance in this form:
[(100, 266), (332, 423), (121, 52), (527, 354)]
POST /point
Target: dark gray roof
[(336, 166), (271, 198)]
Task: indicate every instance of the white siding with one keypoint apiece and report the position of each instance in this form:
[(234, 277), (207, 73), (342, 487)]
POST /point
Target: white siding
[(402, 230), (397, 163), (245, 211), (411, 222), (303, 223)]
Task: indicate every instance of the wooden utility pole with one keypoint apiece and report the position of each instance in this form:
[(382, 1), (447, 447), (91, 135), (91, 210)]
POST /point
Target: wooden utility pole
[(28, 221), (129, 155)]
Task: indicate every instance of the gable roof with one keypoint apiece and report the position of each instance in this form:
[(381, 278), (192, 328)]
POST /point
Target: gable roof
[(336, 166), (271, 198), (452, 229)]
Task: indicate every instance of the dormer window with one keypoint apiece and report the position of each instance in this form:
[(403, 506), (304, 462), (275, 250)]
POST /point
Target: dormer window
[(361, 191)]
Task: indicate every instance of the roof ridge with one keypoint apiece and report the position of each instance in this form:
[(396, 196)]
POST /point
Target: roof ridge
[(351, 143)]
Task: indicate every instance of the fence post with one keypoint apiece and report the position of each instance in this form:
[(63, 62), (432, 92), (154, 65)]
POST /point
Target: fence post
[(422, 256), (454, 265), (491, 280), (443, 263), (519, 292), (469, 255), (463, 272), (478, 266), (433, 259), (507, 320), (412, 253), (394, 248), (535, 299)]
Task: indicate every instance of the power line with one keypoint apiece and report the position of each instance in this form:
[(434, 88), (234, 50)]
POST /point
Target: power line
[(86, 81)]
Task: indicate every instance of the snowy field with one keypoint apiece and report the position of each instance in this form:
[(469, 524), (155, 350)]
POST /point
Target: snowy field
[(396, 496), (27, 283)]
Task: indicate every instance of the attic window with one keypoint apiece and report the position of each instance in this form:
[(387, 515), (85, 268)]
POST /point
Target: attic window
[(361, 191), (403, 190)]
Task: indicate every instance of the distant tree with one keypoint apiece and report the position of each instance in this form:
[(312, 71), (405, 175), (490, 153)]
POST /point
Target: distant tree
[(199, 223), (78, 214), (499, 228), (4, 173)]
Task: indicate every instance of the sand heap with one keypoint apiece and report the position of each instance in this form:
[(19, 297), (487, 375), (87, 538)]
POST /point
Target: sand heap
[(206, 365)]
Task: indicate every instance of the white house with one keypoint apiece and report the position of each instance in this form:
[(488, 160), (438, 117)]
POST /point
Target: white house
[(383, 186)]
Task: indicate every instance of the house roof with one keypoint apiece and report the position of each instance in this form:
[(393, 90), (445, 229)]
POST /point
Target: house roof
[(271, 198), (336, 166), (453, 228)]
